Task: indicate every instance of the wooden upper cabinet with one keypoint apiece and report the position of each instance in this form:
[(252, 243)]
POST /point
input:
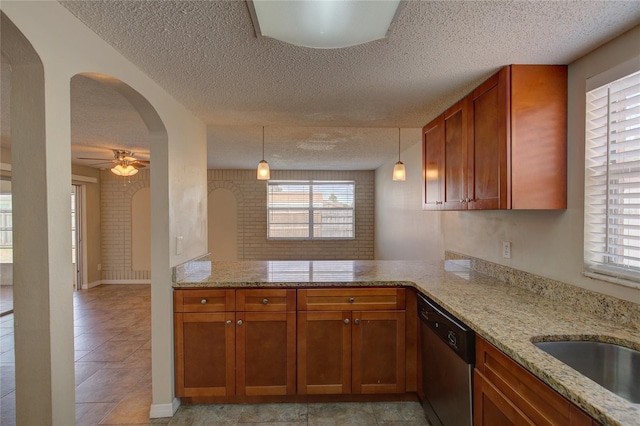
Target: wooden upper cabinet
[(433, 165), (505, 144), (455, 156), (487, 152)]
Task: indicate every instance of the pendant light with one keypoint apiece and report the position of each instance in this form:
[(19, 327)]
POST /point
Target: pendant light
[(263, 166), (399, 172)]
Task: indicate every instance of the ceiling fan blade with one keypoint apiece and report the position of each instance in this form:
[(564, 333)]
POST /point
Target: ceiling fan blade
[(90, 158), (143, 161), (137, 165)]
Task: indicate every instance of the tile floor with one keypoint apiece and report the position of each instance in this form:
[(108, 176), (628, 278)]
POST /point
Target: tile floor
[(113, 375)]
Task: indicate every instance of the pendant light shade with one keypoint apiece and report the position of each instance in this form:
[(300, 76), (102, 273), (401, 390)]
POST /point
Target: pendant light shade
[(399, 172), (263, 172)]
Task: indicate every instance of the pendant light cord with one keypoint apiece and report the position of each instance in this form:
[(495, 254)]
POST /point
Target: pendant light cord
[(398, 143), (263, 142)]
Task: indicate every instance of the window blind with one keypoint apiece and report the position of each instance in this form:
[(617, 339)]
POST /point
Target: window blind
[(612, 179), (311, 210)]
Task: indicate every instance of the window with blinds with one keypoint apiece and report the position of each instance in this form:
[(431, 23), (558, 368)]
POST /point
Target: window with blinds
[(311, 210), (612, 180)]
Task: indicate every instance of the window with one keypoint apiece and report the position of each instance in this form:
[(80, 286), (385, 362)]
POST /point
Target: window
[(612, 181), (311, 210)]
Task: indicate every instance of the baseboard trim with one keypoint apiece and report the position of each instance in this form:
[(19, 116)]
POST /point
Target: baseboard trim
[(93, 284), (125, 282), (164, 410)]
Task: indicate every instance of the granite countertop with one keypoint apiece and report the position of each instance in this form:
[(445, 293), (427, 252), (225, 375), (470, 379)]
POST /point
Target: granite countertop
[(507, 316)]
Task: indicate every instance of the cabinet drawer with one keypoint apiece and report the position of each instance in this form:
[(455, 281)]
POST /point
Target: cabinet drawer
[(539, 402), (265, 300), (203, 300), (351, 299)]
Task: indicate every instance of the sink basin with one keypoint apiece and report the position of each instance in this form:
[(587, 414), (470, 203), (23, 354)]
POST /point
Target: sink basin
[(612, 366)]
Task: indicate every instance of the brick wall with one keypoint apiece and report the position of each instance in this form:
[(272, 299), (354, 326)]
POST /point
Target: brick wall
[(116, 193), (251, 198)]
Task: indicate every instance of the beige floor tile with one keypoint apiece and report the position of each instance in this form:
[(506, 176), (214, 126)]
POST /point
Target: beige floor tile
[(109, 385), (113, 351), (7, 379), (90, 414), (341, 414), (399, 412), (133, 409), (84, 370), (205, 415), (265, 413), (8, 410)]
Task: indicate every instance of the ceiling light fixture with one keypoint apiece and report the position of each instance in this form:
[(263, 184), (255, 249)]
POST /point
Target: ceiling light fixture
[(399, 172), (323, 24), (124, 169), (263, 166)]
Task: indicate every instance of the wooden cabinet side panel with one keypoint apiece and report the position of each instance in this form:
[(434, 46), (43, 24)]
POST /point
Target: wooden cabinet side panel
[(433, 164), (411, 342), (539, 136)]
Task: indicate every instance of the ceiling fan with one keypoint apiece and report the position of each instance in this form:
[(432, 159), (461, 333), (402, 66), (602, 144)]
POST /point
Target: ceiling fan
[(125, 162)]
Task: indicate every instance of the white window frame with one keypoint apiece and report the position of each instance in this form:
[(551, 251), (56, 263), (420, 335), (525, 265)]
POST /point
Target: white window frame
[(311, 209), (604, 258)]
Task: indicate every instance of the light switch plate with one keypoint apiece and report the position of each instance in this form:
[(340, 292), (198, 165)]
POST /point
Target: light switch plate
[(179, 244), (506, 249)]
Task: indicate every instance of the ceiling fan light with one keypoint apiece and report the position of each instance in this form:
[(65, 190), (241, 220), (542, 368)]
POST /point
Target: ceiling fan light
[(127, 170), (263, 170), (324, 24)]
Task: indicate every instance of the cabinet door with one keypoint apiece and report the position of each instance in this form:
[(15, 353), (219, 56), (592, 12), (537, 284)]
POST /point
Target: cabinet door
[(487, 148), (492, 408), (455, 157), (265, 353), (378, 352), (204, 354), (433, 164), (324, 352)]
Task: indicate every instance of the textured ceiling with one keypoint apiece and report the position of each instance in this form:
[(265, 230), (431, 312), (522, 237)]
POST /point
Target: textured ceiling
[(326, 108)]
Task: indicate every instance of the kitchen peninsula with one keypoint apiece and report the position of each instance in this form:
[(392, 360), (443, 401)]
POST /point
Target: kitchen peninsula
[(505, 315)]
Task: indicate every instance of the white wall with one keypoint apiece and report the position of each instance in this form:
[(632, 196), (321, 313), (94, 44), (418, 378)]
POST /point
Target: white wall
[(403, 230), (546, 243), (178, 153)]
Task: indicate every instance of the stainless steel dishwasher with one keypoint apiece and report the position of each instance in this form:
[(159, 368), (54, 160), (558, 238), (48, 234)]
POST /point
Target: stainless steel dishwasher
[(448, 357)]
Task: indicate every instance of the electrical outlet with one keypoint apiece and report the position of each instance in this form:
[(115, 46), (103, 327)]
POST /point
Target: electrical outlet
[(99, 266), (506, 249)]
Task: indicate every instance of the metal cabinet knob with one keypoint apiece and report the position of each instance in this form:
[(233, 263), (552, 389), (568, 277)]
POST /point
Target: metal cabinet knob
[(239, 322), (357, 321), (265, 301), (346, 320), (351, 300), (438, 202), (203, 301), (462, 200), (228, 322)]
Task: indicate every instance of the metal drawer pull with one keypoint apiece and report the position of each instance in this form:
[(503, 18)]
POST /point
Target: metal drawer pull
[(357, 321), (346, 320), (351, 300), (239, 322), (265, 301), (203, 301), (228, 322)]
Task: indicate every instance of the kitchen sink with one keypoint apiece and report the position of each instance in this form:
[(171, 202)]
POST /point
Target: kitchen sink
[(612, 366)]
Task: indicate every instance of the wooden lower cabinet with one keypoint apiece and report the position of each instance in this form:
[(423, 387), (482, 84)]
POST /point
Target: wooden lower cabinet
[(205, 354), (342, 352), (265, 353), (507, 394), (229, 353)]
